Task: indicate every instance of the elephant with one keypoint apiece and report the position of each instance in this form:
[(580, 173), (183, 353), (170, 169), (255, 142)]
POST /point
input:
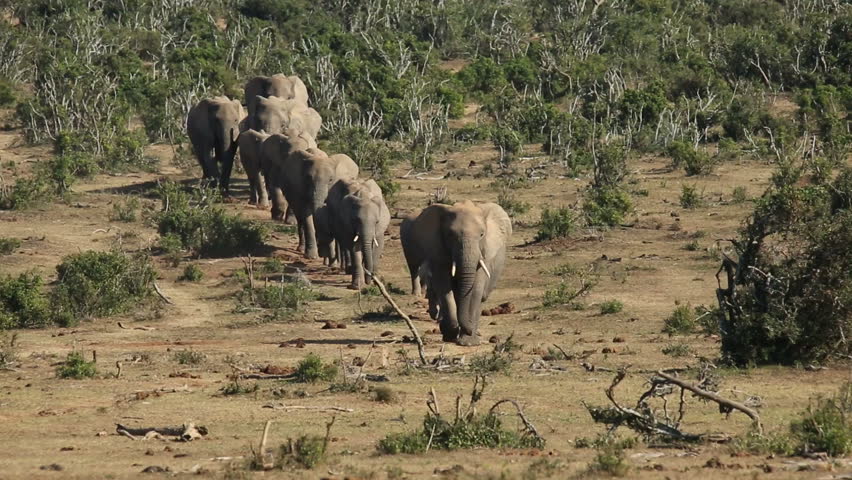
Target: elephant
[(250, 143), (213, 125), (278, 85), (360, 218), (273, 155), (325, 239), (463, 247), (305, 177), (274, 114)]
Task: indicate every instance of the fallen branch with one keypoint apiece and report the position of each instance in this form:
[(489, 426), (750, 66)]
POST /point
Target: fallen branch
[(288, 408), (263, 376), (402, 314), (160, 293), (186, 432), (267, 462), (730, 404), (527, 424)]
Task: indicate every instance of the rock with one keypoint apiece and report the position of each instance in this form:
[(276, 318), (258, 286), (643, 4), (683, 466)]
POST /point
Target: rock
[(386, 333), (494, 339), (618, 340), (155, 469), (502, 309), (53, 467)]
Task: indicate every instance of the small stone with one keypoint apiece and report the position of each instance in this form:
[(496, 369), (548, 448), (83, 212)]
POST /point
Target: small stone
[(494, 339), (386, 333), (53, 467), (618, 340), (155, 469)]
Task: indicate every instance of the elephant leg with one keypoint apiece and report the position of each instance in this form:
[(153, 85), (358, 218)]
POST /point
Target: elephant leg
[(289, 217), (260, 191), (205, 159), (335, 253), (253, 190), (225, 178), (311, 250), (358, 273), (300, 226), (440, 288)]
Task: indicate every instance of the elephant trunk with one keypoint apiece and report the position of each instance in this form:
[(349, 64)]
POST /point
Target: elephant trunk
[(366, 239), (467, 287)]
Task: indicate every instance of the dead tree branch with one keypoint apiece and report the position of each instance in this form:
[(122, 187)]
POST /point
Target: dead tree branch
[(402, 314), (724, 402)]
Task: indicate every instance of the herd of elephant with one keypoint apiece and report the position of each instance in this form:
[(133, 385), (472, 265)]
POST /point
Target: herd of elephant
[(455, 253)]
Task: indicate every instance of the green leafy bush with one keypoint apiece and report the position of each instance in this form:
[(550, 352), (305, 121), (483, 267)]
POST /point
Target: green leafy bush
[(307, 451), (694, 161), (312, 369), (93, 284), (191, 273), (690, 197), (23, 303), (25, 193), (76, 367), (557, 223), (681, 321), (611, 306), (739, 195), (607, 206), (125, 211), (826, 425)]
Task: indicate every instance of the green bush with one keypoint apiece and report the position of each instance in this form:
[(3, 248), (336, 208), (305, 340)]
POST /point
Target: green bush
[(739, 195), (125, 211), (171, 247), (312, 369), (610, 461), (695, 162), (23, 303), (191, 273), (677, 350), (8, 245), (25, 193), (557, 223), (93, 284), (76, 367), (307, 451), (7, 93), (681, 321), (606, 207), (826, 425), (690, 197), (611, 306)]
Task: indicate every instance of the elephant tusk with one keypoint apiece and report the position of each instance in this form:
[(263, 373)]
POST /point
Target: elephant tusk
[(356, 238), (482, 264), (375, 242), (453, 271)]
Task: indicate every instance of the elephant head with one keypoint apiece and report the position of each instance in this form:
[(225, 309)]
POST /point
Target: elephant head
[(213, 126), (465, 247), (361, 220), (274, 114), (278, 85)]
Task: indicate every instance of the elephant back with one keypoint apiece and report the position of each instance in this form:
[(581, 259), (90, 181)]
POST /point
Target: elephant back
[(278, 85), (345, 167)]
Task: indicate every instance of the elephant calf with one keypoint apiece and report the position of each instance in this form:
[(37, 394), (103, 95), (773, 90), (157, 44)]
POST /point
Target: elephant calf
[(213, 126), (359, 219), (250, 143), (273, 158), (463, 249)]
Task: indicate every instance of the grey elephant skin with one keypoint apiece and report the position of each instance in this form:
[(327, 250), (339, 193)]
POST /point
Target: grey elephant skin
[(274, 115), (278, 85), (463, 249), (273, 156), (250, 144), (359, 220), (213, 126), (305, 177)]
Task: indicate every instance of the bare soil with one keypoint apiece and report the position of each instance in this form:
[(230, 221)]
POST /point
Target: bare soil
[(46, 421)]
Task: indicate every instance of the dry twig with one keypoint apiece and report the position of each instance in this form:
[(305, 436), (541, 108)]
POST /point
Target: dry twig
[(402, 314)]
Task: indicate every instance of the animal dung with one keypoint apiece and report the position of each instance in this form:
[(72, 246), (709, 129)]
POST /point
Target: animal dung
[(332, 325), (502, 309)]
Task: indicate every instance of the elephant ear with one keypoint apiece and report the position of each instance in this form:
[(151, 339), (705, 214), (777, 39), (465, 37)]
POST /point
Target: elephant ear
[(498, 227)]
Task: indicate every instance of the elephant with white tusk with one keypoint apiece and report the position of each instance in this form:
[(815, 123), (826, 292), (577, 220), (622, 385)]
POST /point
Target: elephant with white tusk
[(462, 247), (213, 126), (360, 218)]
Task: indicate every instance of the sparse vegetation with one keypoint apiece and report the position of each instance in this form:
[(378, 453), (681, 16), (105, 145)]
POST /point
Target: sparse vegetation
[(739, 195), (125, 211), (690, 197), (514, 207), (76, 367), (312, 369), (385, 395), (826, 425), (677, 350), (234, 387), (693, 160), (8, 245), (307, 451), (189, 357)]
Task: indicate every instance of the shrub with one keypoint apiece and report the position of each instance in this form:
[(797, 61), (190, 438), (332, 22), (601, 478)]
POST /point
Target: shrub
[(512, 206), (125, 211), (681, 321), (557, 223), (307, 451), (23, 303), (191, 273), (76, 367), (312, 369), (8, 349), (611, 306), (9, 245), (677, 350), (689, 196), (756, 443), (695, 162), (189, 357), (25, 193), (171, 247), (385, 395), (91, 284), (610, 461), (607, 206), (739, 195), (826, 425), (283, 296), (236, 388)]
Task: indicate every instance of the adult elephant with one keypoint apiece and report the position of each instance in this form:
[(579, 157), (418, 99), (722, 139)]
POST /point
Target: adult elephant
[(463, 247), (360, 218), (274, 114), (273, 156), (250, 143), (213, 126), (279, 85), (305, 177)]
